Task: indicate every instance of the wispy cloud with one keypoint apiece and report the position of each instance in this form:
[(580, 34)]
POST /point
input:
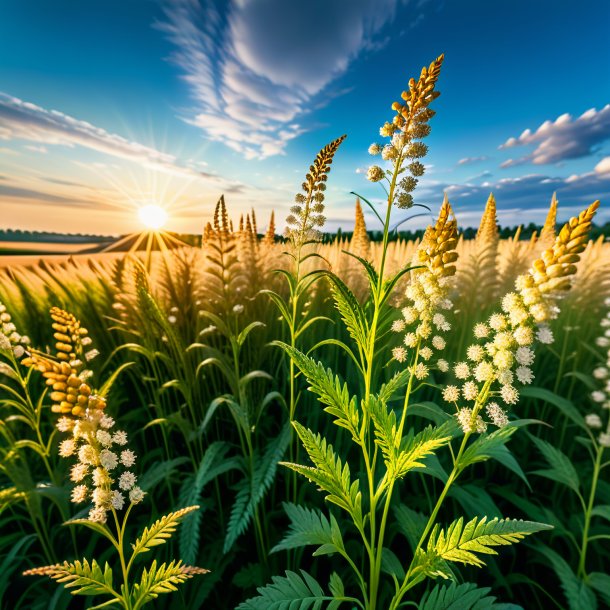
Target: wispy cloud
[(253, 83), (472, 160), (38, 149), (563, 139), (21, 120), (17, 194)]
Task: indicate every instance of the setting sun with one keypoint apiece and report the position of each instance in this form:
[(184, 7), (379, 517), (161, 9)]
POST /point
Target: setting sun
[(152, 216)]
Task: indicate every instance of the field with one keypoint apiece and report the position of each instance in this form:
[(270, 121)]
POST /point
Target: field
[(269, 423)]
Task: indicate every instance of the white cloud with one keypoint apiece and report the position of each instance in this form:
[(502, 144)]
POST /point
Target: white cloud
[(257, 69), (563, 139), (34, 148), (20, 120), (603, 167), (522, 199), (472, 160)]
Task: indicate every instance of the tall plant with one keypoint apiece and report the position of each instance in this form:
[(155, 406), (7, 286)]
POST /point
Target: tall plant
[(388, 445), (101, 454)]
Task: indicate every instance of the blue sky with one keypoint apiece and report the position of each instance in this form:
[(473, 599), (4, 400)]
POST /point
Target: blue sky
[(109, 105)]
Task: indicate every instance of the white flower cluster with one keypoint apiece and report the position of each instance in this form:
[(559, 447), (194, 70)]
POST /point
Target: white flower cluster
[(101, 453), (602, 373), (423, 320), (504, 353), (10, 339)]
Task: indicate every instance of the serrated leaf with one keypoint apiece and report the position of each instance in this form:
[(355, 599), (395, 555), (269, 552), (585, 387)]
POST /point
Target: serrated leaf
[(460, 597), (160, 531), (330, 391), (254, 486), (329, 473), (562, 470), (292, 592), (311, 527), (461, 543), (157, 580), (83, 577), (578, 595)]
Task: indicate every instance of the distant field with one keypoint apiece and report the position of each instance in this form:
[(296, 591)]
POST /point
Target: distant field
[(33, 247)]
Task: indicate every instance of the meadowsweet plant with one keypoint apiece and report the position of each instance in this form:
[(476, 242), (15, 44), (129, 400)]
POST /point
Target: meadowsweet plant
[(303, 226), (387, 448), (504, 352), (103, 477)]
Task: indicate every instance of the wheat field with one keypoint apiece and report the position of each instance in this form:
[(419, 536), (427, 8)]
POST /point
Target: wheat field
[(267, 423)]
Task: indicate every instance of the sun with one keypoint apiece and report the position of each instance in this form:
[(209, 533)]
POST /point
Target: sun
[(152, 216)]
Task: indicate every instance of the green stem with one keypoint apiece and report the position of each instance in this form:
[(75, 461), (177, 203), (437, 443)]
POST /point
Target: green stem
[(582, 573)]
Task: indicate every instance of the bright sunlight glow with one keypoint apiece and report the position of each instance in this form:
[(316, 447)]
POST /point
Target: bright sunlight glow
[(152, 216)]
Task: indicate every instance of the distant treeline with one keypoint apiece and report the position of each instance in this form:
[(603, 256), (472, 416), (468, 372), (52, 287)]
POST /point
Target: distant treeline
[(195, 240), (469, 233), (52, 237)]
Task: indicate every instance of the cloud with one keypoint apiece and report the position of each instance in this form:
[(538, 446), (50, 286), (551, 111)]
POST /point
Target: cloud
[(603, 167), (20, 120), (523, 199), (472, 160), (34, 148), (256, 68), (563, 139), (18, 193)]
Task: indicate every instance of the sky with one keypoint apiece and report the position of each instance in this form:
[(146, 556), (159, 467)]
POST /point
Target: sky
[(108, 106)]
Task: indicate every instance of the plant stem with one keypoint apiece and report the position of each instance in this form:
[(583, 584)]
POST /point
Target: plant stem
[(582, 573)]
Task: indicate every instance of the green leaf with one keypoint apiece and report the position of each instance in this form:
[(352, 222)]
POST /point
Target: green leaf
[(492, 446), (84, 578), (100, 528), (578, 595), (461, 543), (603, 511), (213, 464), (105, 389), (562, 470), (431, 411), (563, 404), (294, 592), (329, 473), (390, 564), (414, 449), (330, 391), (254, 486), (461, 597), (309, 526), (410, 523), (350, 310), (160, 531), (158, 580), (601, 583)]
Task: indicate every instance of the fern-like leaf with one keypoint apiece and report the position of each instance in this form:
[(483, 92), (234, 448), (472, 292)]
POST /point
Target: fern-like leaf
[(350, 310), (308, 526), (84, 578), (461, 597), (460, 543), (212, 465), (330, 391), (161, 579), (295, 592), (160, 531), (562, 470), (329, 473), (254, 487)]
